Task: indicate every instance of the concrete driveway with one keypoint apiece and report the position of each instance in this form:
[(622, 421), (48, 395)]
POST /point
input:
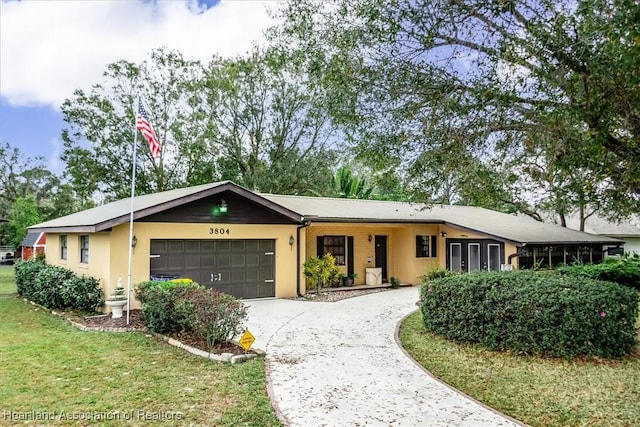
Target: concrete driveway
[(338, 364)]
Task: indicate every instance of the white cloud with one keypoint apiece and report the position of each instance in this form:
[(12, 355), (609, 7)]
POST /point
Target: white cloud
[(50, 48)]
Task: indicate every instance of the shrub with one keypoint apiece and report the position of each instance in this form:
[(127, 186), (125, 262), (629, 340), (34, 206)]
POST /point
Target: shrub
[(322, 270), (624, 270), (215, 317), (56, 287), (82, 293), (25, 272), (48, 286), (163, 305), (533, 313), (436, 273)]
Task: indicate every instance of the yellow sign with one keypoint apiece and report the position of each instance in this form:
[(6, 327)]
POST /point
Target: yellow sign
[(246, 340)]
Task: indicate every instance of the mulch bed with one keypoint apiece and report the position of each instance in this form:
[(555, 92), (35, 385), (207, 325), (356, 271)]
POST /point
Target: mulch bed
[(136, 322)]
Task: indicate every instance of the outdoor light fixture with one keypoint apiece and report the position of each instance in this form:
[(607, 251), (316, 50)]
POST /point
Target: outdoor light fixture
[(223, 206), (370, 237), (291, 240), (220, 209), (443, 234), (134, 241)]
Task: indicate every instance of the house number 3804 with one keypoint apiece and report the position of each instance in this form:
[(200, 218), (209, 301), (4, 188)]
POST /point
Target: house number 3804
[(219, 231)]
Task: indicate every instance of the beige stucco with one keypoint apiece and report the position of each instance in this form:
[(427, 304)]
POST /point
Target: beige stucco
[(401, 239), (108, 251)]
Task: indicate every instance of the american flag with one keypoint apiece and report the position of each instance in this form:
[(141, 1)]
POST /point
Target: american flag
[(144, 125)]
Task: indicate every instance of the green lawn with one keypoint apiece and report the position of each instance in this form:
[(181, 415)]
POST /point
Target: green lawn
[(49, 366), (537, 391), (7, 282)]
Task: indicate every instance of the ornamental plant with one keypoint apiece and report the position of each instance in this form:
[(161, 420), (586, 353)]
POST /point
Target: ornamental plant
[(57, 287), (526, 312), (322, 271), (624, 270)]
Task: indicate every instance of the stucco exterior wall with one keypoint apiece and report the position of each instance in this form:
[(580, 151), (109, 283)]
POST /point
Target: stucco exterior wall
[(631, 244), (285, 263), (108, 251), (99, 256), (402, 261)]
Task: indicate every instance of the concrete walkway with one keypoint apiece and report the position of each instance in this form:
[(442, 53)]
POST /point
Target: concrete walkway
[(338, 364)]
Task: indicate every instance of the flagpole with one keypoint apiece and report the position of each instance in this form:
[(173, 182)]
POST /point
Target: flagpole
[(133, 193)]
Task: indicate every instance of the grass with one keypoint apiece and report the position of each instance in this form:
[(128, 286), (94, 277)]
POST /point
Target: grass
[(534, 390), (7, 281), (49, 366)]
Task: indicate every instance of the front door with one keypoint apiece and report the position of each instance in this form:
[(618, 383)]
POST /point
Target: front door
[(381, 256), (469, 255)]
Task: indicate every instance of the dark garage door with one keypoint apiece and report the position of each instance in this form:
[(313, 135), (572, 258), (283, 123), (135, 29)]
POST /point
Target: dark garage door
[(242, 268)]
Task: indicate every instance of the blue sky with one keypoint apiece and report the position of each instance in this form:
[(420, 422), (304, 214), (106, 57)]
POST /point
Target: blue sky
[(49, 49)]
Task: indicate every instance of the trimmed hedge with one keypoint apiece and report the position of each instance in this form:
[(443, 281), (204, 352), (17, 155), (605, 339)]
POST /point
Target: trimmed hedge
[(56, 287), (624, 270), (541, 313)]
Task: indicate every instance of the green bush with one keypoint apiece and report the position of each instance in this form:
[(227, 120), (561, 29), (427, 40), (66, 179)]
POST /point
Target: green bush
[(163, 305), (624, 270), (25, 272), (533, 313), (216, 317), (56, 287), (48, 286), (82, 293)]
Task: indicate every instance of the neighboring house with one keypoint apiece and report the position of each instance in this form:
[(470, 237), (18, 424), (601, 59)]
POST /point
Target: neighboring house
[(627, 230), (33, 244), (254, 245)]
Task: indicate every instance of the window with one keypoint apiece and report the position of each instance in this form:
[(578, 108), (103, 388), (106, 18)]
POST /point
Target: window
[(474, 257), (335, 246), (455, 255), (422, 246), (84, 249), (555, 255), (493, 255), (63, 247)]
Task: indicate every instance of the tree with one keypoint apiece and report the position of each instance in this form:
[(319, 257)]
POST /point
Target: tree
[(24, 213), (495, 80), (244, 119), (348, 186), (28, 178), (266, 125), (99, 137)]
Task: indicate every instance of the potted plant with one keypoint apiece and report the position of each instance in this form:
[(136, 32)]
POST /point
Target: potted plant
[(351, 279), (321, 271), (117, 300)]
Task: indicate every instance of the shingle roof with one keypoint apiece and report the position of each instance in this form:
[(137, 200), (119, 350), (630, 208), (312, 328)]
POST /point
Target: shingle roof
[(519, 229), (513, 228), (111, 214), (30, 239), (599, 225)]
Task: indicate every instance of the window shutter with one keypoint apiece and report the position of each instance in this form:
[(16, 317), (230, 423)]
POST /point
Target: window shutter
[(434, 246), (320, 246), (350, 269)]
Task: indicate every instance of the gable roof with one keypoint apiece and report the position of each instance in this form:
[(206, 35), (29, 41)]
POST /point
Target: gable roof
[(31, 239), (104, 217), (517, 229), (513, 228)]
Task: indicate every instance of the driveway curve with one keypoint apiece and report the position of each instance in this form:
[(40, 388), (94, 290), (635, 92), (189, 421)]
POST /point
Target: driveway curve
[(338, 364)]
